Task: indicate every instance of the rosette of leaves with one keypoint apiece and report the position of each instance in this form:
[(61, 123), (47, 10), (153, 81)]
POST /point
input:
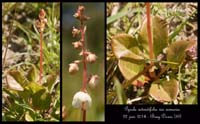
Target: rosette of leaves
[(132, 53), (24, 86)]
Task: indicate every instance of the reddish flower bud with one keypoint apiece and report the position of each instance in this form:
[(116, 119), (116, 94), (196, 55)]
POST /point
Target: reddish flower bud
[(75, 32)]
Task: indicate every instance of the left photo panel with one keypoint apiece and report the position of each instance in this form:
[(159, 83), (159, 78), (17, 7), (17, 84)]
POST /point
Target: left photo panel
[(31, 61)]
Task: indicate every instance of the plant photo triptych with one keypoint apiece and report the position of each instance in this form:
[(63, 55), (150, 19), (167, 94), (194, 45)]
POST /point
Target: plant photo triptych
[(70, 61)]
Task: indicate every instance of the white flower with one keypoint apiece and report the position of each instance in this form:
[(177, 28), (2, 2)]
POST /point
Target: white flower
[(73, 68), (94, 80), (91, 58), (80, 98), (77, 44)]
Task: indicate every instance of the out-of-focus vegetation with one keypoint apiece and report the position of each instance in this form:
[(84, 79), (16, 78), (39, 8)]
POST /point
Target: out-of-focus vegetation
[(95, 42), (23, 98), (173, 80)]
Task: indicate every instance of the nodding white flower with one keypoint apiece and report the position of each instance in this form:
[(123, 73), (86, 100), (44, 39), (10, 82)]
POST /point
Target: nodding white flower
[(77, 44), (81, 98), (91, 58), (94, 80), (73, 68)]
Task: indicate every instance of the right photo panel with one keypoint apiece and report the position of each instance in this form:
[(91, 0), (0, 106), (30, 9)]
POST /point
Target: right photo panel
[(83, 34), (151, 54)]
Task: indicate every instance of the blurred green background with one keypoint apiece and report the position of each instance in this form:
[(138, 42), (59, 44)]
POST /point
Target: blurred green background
[(95, 43)]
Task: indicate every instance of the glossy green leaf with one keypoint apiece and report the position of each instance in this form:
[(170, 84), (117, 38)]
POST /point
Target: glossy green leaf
[(130, 57), (159, 33), (164, 91), (176, 52), (33, 74), (41, 100), (125, 45)]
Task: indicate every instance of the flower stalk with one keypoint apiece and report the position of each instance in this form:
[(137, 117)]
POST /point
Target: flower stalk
[(40, 24), (82, 99), (149, 32)]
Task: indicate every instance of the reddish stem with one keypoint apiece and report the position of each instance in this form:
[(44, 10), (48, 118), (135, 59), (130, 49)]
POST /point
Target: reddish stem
[(41, 53), (84, 83), (84, 58), (84, 115), (151, 56)]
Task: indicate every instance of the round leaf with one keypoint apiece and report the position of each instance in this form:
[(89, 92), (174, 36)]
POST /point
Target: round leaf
[(176, 52), (164, 91), (159, 34), (126, 49), (124, 45)]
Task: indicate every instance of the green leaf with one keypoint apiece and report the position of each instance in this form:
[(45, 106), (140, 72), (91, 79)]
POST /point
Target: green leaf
[(177, 31), (120, 92), (28, 117), (159, 34), (176, 52), (119, 14), (125, 46), (51, 80), (18, 76), (130, 57), (34, 87), (33, 74), (164, 91), (12, 84), (41, 100), (192, 99)]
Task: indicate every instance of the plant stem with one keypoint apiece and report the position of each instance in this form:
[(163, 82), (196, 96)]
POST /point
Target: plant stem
[(84, 115), (149, 32), (84, 65), (41, 58)]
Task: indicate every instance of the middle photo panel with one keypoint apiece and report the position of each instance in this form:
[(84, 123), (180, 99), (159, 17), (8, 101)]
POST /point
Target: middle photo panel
[(83, 35)]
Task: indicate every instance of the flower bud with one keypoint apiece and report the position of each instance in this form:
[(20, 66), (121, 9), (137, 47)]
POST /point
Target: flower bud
[(91, 58), (94, 80), (77, 44), (77, 61), (81, 9), (45, 20), (42, 14), (73, 68), (75, 32), (80, 98), (77, 15)]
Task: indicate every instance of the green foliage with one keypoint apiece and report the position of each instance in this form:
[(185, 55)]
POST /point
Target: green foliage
[(24, 99), (130, 47), (164, 90)]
